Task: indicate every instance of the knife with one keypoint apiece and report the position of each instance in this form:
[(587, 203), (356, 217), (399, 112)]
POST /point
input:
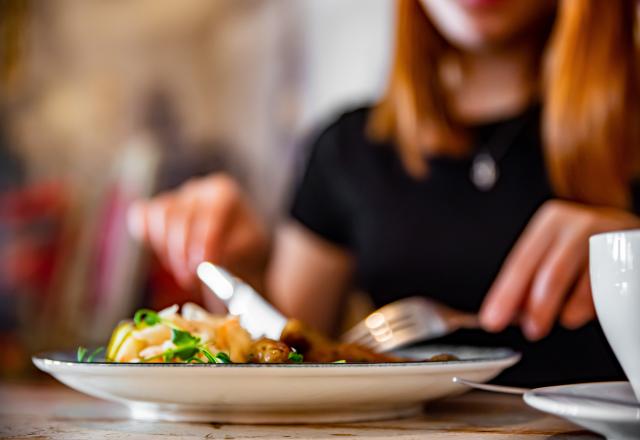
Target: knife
[(255, 314)]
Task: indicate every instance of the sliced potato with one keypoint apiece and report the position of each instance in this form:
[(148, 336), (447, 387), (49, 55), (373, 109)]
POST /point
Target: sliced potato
[(233, 339), (121, 332), (154, 335), (129, 349)]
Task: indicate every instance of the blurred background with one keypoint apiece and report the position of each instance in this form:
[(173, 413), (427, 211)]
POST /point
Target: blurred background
[(103, 102)]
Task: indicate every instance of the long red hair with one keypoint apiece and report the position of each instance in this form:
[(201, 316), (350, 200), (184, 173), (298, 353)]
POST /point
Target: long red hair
[(590, 97)]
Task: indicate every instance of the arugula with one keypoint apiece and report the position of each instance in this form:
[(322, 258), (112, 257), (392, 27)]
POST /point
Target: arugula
[(146, 316), (295, 357), (210, 357), (186, 353), (95, 352), (222, 358), (81, 355), (182, 338)]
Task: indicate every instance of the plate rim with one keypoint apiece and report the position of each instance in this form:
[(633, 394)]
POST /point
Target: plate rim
[(603, 412)]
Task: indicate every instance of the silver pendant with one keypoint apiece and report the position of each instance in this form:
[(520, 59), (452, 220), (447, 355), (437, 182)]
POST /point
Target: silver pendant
[(484, 172)]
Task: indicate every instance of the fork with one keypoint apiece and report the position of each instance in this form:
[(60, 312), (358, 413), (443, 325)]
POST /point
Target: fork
[(406, 321)]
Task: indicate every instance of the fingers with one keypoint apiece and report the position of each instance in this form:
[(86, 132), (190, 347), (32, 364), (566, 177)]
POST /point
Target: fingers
[(189, 225), (558, 271), (147, 222), (158, 211), (137, 220), (547, 264), (511, 287), (579, 308), (210, 227), (178, 237)]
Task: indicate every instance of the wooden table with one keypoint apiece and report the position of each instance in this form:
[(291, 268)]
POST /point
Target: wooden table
[(51, 411)]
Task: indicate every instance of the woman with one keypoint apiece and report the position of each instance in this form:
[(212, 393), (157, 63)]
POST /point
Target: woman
[(506, 137)]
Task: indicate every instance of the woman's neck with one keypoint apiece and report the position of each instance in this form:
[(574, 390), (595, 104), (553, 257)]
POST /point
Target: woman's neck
[(495, 84)]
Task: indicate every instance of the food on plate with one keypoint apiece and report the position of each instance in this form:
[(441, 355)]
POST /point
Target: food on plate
[(193, 335)]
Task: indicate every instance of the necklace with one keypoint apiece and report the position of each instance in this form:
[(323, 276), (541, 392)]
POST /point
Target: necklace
[(484, 172)]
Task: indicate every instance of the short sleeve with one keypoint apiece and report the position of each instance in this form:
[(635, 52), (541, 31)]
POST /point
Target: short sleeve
[(317, 202)]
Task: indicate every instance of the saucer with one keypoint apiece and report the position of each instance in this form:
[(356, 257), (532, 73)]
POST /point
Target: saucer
[(612, 420)]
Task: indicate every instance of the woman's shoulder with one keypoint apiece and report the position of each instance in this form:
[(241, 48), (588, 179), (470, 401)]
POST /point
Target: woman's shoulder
[(351, 123), (344, 138)]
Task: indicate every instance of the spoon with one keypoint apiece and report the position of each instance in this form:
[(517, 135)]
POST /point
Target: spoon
[(516, 390)]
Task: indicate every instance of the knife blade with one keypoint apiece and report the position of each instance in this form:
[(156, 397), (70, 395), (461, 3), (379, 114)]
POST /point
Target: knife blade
[(255, 314)]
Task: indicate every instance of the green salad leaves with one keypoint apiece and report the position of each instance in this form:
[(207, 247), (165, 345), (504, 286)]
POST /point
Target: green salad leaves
[(82, 354), (146, 316), (295, 357)]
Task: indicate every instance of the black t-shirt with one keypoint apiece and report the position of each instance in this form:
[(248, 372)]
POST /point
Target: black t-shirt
[(441, 236)]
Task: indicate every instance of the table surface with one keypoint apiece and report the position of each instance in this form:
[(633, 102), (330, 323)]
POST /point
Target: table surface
[(51, 411)]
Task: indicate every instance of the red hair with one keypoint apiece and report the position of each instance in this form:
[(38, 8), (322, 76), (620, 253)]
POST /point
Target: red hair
[(590, 121)]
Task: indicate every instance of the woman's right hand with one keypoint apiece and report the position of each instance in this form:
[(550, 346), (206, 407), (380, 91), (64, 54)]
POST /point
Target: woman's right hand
[(206, 219)]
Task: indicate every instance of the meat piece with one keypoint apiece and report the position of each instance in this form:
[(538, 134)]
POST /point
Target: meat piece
[(351, 353), (317, 348), (268, 351)]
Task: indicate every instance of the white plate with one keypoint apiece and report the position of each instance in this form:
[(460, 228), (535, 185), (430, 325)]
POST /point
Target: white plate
[(284, 393), (609, 419)]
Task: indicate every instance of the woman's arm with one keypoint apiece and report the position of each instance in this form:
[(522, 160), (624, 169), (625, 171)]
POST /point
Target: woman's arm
[(308, 276)]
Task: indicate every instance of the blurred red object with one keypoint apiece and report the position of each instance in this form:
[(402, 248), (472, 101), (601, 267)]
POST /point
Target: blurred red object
[(31, 231), (30, 234)]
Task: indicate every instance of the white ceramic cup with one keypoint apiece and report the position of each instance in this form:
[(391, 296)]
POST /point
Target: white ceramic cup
[(614, 266)]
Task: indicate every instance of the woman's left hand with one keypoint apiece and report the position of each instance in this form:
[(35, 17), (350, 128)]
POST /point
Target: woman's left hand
[(546, 275)]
